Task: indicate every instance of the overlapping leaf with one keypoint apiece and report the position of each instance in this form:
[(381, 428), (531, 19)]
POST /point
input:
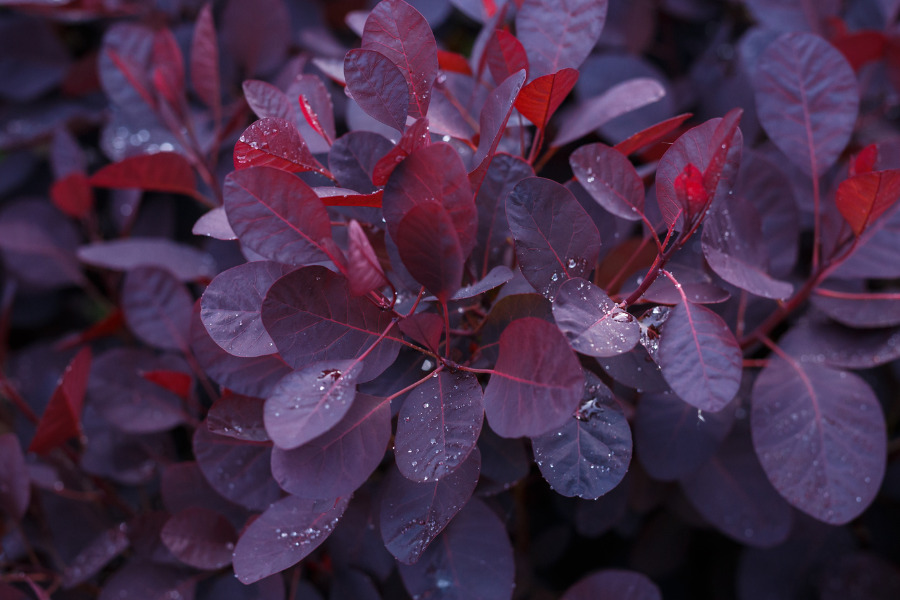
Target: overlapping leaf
[(61, 420), (162, 172), (157, 308), (610, 179), (593, 324), (564, 40), (378, 86), (430, 249), (864, 198), (276, 143), (540, 99)]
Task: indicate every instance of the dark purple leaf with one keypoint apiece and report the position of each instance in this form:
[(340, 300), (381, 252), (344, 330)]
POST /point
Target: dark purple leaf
[(162, 172), (312, 317), (733, 247), (230, 308), (472, 559), (35, 60), (15, 485), (610, 179), (432, 174), (240, 417), (558, 36), (425, 328), (204, 60), (792, 15), (614, 584), (142, 579), (860, 576), (364, 271), (378, 86), (849, 348), (593, 518), (539, 99), (184, 262), (276, 143), (237, 469), (122, 457), (184, 486), (504, 312), (876, 252), (309, 402), (256, 35), (854, 306), (430, 249), (807, 99), (614, 102), (283, 535), (278, 216), (504, 462), (699, 357), (732, 493), (593, 324), (96, 555), (157, 308), (123, 66), (492, 123), (124, 398), (249, 376), (504, 172), (317, 125), (353, 158), (537, 381), (673, 439), (696, 283), (820, 436), (337, 462), (37, 244), (267, 101), (438, 426), (497, 277), (61, 420), (270, 588), (416, 136), (700, 148), (589, 455), (356, 541), (200, 538), (555, 238), (401, 33), (413, 514)]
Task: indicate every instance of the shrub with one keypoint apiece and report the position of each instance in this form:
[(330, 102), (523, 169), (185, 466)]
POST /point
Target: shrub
[(348, 348)]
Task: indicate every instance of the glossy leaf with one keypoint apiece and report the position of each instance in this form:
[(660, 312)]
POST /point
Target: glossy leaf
[(731, 492), (401, 33), (438, 426), (616, 101), (236, 469), (200, 538), (15, 487), (555, 238), (589, 455), (416, 136), (237, 416), (807, 99), (699, 357), (283, 535), (593, 324), (230, 308), (651, 135), (430, 249), (820, 436), (614, 584), (61, 420), (310, 401), (275, 143), (673, 439), (267, 101), (432, 174), (184, 262), (540, 99), (353, 158), (492, 123), (610, 179), (277, 216), (378, 86), (162, 172), (564, 40), (339, 461), (537, 381), (312, 317), (473, 559), (413, 514), (157, 308), (864, 198), (733, 246)]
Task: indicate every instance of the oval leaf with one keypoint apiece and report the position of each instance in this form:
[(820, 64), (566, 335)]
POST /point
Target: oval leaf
[(199, 537), (378, 86), (593, 324), (537, 381), (539, 99), (157, 308), (184, 262), (274, 142), (820, 436), (438, 426), (430, 249), (610, 179), (162, 172), (559, 35)]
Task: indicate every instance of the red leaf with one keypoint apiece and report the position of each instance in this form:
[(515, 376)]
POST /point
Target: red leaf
[(168, 68), (162, 172), (205, 61), (311, 117), (108, 325), (453, 62), (415, 137), (504, 55), (863, 198), (865, 161), (690, 191), (651, 135), (73, 195), (61, 420), (175, 381), (372, 200), (860, 47), (539, 99), (273, 142), (364, 272)]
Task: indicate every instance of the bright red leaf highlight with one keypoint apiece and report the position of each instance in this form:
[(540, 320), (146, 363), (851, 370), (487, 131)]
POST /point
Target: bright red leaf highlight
[(61, 420), (864, 198)]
